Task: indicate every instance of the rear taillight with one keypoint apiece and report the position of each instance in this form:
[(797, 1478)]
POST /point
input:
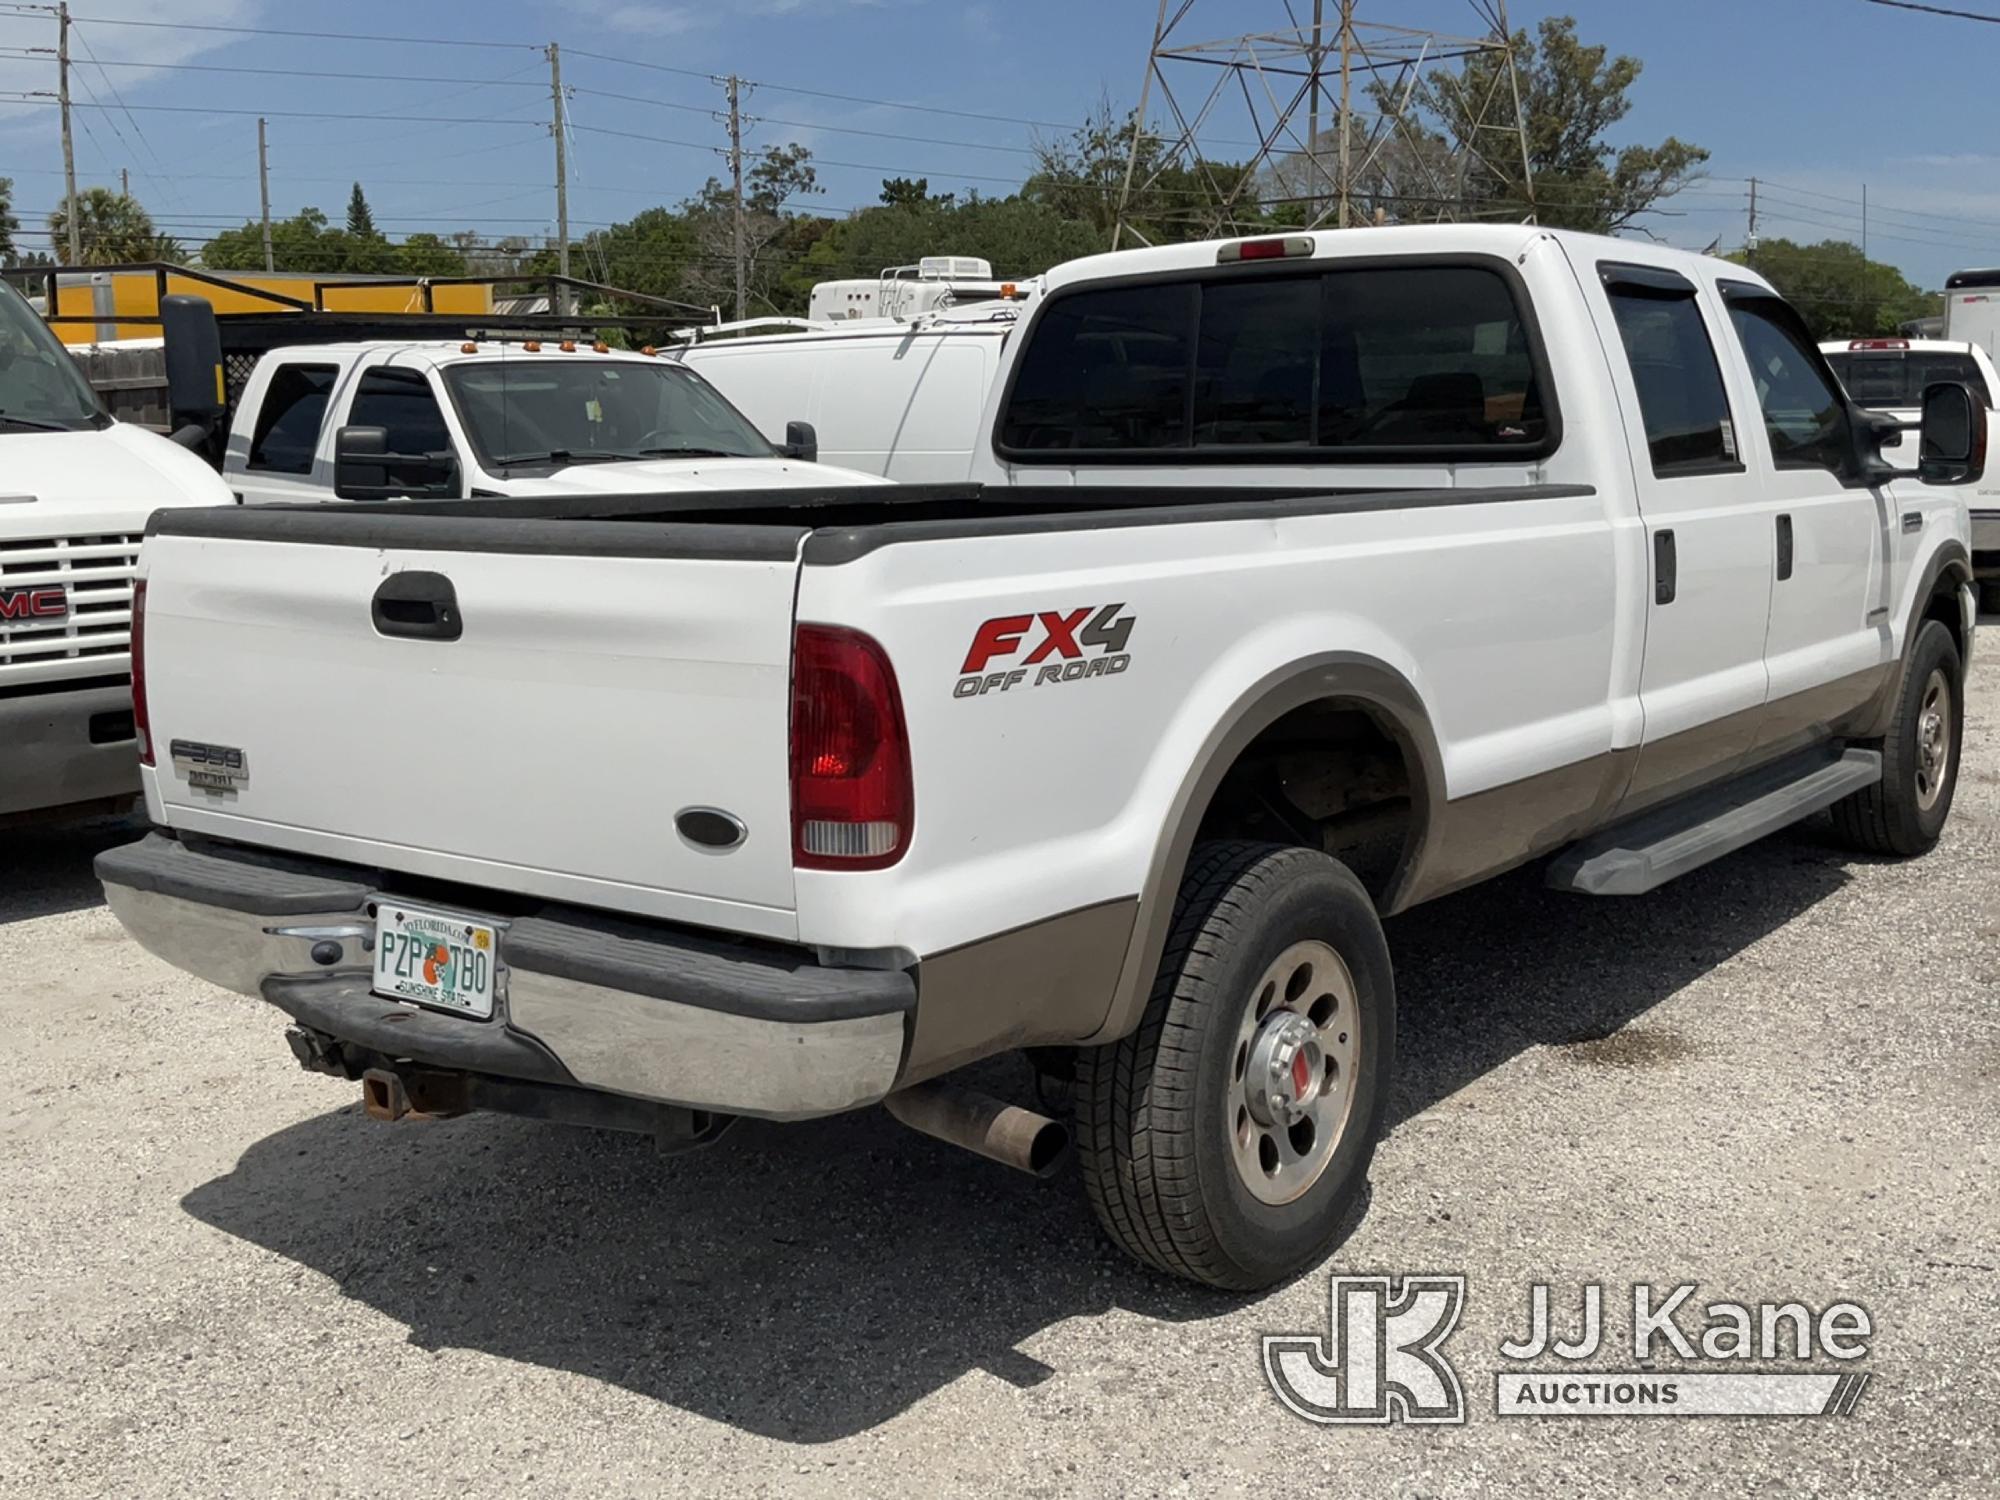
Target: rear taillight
[(852, 802), (142, 722)]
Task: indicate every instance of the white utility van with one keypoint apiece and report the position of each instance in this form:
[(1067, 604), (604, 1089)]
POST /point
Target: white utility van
[(897, 399), (76, 487)]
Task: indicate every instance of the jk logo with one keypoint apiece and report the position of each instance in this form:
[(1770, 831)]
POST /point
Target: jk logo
[(1382, 1362)]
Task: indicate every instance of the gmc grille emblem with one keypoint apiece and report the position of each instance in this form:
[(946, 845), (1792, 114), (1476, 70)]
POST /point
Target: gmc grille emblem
[(49, 603)]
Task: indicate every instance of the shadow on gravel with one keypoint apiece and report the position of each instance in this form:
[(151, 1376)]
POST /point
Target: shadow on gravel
[(1488, 973), (808, 1283), (45, 867)]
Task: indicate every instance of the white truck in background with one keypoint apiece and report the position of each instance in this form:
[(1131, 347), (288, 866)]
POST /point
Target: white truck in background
[(899, 399), (454, 418), (76, 488), (1313, 576), (1972, 316)]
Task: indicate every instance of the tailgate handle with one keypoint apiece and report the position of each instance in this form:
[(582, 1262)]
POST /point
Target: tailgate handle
[(420, 606)]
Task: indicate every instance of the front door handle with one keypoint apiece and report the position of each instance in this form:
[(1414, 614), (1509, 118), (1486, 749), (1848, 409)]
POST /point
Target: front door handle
[(1784, 548), (1665, 567)]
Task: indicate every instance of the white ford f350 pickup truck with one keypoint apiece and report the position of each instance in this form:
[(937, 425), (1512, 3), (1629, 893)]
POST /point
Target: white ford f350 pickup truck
[(1313, 577)]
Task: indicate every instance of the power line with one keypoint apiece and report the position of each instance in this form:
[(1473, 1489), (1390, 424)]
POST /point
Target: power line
[(321, 36), (1939, 10), (30, 53)]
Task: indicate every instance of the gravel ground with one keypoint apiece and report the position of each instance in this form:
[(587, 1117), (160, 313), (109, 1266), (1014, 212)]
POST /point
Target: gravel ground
[(1775, 1078)]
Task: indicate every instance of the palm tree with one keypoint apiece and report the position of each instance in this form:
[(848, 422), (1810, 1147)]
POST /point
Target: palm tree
[(111, 228)]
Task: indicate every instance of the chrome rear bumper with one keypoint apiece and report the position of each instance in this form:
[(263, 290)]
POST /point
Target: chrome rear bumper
[(645, 1011)]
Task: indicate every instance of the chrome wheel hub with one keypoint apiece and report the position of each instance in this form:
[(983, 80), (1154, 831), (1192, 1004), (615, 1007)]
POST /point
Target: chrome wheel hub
[(1293, 1070), (1933, 740)]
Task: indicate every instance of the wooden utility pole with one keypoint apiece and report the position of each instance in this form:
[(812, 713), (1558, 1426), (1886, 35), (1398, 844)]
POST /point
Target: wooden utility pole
[(264, 191), (68, 142), (736, 177), (124, 182), (1751, 245), (562, 174)]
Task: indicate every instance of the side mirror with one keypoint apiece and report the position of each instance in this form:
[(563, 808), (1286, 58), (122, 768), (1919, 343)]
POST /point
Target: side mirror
[(196, 395), (365, 469), (801, 442), (1951, 436)]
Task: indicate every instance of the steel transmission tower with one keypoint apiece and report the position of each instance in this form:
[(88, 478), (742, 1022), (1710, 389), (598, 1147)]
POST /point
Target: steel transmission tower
[(1337, 120)]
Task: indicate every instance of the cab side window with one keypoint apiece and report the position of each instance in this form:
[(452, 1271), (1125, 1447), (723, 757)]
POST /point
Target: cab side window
[(289, 419), (1804, 412), (1681, 397), (402, 402)]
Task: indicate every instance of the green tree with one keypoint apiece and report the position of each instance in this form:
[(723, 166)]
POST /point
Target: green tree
[(426, 255), (1572, 94), (906, 192), (111, 228), (9, 225), (1082, 177), (1837, 291), (308, 242), (773, 233), (360, 218)]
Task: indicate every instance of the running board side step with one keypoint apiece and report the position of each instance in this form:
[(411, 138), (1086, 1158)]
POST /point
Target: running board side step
[(1651, 849)]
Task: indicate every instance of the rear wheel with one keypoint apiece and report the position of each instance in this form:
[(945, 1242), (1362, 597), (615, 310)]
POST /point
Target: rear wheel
[(1905, 811), (1226, 1139)]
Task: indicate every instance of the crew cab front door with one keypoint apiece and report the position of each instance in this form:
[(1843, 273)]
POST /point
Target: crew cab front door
[(1829, 633), (1709, 533)]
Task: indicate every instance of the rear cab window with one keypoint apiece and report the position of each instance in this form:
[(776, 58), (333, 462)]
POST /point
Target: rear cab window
[(1882, 379), (289, 418), (1326, 361), (1675, 374)]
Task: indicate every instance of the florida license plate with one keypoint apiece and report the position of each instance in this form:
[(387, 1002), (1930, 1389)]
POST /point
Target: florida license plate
[(435, 958)]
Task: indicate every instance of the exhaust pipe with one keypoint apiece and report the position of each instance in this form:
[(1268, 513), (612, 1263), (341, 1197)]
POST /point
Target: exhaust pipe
[(992, 1128)]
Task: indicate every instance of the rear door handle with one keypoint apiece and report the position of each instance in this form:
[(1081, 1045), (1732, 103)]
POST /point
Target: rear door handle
[(1784, 548), (417, 606), (1665, 567)]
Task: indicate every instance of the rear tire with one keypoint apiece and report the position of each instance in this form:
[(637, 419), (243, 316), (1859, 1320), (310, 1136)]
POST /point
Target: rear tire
[(1904, 812), (1227, 1138)]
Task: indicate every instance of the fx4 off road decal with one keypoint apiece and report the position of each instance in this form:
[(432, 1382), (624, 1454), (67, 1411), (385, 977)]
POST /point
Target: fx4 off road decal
[(1052, 645)]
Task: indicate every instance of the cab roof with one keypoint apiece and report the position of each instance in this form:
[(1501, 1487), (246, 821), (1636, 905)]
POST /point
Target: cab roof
[(1505, 241), (440, 353)]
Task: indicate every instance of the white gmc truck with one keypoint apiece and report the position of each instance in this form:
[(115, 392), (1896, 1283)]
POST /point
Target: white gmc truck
[(76, 488), (1311, 577)]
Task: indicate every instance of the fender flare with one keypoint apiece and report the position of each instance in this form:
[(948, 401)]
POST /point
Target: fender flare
[(1951, 566), (1367, 681)]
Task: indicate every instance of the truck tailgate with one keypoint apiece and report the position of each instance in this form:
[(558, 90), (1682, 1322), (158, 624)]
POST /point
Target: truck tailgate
[(546, 749)]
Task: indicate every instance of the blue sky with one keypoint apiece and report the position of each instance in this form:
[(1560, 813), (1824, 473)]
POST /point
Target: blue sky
[(1814, 97)]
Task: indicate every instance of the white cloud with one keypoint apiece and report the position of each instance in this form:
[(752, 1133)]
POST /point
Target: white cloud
[(151, 44)]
